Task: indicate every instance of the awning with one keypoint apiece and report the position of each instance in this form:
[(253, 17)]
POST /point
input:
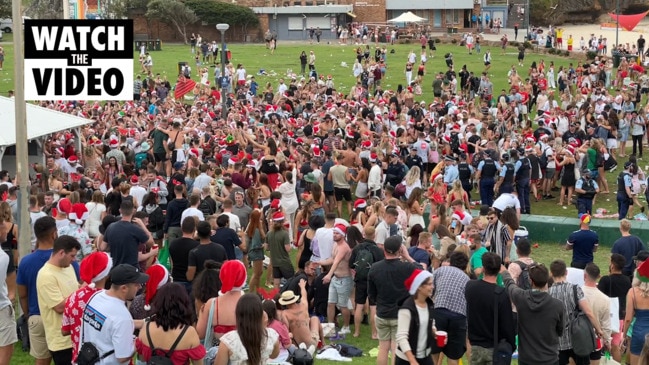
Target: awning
[(351, 14)]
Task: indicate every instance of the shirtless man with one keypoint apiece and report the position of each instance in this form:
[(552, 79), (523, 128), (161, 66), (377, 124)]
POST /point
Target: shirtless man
[(340, 277), (177, 136), (303, 329)]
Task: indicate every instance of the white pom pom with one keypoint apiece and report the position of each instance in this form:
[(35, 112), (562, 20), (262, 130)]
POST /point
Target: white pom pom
[(147, 307), (92, 285), (78, 222)]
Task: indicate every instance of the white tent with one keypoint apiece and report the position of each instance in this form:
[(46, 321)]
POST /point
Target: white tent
[(40, 121), (407, 17)]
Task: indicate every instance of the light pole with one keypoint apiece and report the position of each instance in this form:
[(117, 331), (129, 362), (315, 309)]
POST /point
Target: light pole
[(527, 20), (222, 27), (617, 22)]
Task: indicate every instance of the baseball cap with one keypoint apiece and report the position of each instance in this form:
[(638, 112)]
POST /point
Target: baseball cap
[(392, 244), (641, 256), (178, 165), (127, 274)]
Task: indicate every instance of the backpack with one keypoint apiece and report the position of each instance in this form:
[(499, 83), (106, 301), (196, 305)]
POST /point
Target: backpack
[(301, 357), (364, 260), (583, 335), (205, 207), (139, 158), (346, 350), (543, 159), (523, 280), (156, 357), (293, 283)]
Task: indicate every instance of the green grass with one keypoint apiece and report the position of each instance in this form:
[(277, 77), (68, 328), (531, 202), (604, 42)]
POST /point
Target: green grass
[(329, 58)]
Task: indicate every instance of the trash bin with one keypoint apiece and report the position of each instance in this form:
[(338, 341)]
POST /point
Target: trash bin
[(137, 45), (616, 60), (181, 64), (150, 45), (158, 45)]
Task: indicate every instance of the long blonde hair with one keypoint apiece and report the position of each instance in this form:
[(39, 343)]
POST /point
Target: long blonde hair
[(412, 176), (643, 286)]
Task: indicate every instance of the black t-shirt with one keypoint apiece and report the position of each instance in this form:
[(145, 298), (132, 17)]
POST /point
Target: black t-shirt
[(123, 240), (616, 286), (179, 252), (228, 238), (202, 253)]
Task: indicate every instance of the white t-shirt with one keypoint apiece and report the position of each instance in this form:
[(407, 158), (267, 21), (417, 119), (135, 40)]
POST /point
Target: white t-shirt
[(241, 74), (33, 217), (382, 232), (4, 293), (191, 212), (235, 223), (108, 324), (138, 193), (505, 201), (322, 244)]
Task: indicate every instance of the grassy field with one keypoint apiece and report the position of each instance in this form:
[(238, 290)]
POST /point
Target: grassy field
[(329, 57)]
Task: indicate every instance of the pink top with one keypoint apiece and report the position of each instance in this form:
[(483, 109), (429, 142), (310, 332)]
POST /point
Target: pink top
[(282, 331)]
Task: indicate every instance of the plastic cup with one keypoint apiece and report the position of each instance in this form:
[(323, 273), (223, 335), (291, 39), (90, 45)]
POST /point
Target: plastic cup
[(155, 247), (599, 344), (441, 338)]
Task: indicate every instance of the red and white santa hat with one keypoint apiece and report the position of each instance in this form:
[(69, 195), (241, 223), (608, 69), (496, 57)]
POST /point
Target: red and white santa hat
[(415, 280), (73, 159), (360, 204), (278, 216), (95, 267), (134, 180), (113, 143), (275, 204), (316, 151), (373, 157), (233, 276), (78, 213), (340, 229), (59, 150), (367, 144), (158, 276), (63, 206)]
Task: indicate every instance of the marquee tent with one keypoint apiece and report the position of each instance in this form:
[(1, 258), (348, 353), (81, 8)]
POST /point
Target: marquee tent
[(40, 121), (628, 22), (407, 17)]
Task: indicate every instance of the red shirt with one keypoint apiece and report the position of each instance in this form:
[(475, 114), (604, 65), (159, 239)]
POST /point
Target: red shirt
[(73, 315)]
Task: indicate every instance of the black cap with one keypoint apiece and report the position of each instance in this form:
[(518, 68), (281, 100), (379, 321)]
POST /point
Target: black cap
[(392, 244), (127, 274), (641, 256)]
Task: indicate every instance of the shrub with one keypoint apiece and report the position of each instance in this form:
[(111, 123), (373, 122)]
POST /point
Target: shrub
[(527, 45), (566, 53), (454, 41), (591, 55), (437, 40), (552, 51)]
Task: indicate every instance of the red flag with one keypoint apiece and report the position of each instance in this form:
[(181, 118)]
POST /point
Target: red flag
[(183, 86)]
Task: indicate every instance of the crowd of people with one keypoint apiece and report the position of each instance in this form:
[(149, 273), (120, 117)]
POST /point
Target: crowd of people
[(371, 207)]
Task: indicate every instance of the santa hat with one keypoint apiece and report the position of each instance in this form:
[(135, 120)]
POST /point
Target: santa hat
[(78, 213), (134, 180), (113, 143), (278, 217), (642, 272), (340, 229), (194, 151), (95, 267), (63, 206), (275, 204), (373, 157), (360, 204), (232, 275), (59, 150), (415, 280), (367, 144), (316, 151), (459, 215), (158, 276), (73, 159), (569, 149)]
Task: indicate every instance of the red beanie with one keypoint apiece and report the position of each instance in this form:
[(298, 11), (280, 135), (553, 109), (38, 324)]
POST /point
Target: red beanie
[(233, 276), (158, 276)]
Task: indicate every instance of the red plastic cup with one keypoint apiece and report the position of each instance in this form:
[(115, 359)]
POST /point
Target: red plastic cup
[(441, 338), (599, 344), (155, 247)]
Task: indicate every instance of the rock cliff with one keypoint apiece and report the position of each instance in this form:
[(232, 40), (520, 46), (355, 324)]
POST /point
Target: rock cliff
[(545, 12)]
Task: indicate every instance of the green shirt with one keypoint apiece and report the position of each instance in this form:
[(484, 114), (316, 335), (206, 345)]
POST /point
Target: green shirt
[(277, 240), (159, 138), (476, 258), (592, 159)]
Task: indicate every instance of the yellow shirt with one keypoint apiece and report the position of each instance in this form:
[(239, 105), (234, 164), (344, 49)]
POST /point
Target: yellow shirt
[(570, 41), (559, 33), (54, 284)]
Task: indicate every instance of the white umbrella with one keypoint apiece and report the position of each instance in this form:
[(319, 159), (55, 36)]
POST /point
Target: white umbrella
[(407, 17)]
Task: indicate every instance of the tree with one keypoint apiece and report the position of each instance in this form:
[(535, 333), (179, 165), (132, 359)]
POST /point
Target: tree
[(172, 12), (214, 12), (5, 9)]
